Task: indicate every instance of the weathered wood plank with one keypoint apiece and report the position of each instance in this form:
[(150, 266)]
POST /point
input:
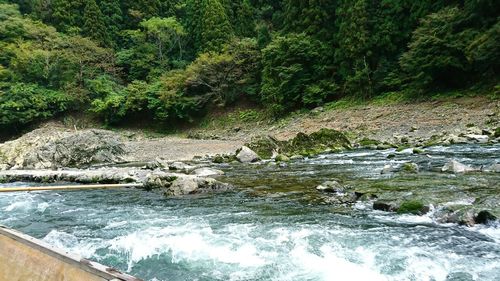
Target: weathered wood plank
[(69, 187), (25, 258)]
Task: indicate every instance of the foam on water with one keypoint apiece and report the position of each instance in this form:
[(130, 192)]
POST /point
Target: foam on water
[(247, 235)]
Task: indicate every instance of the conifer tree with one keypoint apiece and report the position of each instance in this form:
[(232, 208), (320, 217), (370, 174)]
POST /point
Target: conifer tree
[(216, 29), (112, 18), (93, 24)]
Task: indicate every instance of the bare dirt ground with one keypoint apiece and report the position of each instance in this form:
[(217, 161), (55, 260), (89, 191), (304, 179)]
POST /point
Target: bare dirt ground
[(379, 122), (178, 149)]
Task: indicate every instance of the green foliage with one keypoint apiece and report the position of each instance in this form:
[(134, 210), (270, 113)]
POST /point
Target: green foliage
[(22, 103), (294, 74), (174, 60), (436, 54), (93, 23)]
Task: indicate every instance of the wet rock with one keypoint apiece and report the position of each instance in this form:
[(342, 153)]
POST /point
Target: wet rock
[(385, 206), (414, 207), (265, 146), (181, 167), (297, 157), (484, 217), (169, 183), (391, 156), (388, 169), (330, 186), (456, 167), (458, 214), (410, 168), (495, 168), (189, 185), (207, 172), (454, 139), (477, 138), (246, 155), (218, 159), (281, 158)]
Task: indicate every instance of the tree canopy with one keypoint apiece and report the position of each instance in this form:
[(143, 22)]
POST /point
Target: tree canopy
[(176, 59)]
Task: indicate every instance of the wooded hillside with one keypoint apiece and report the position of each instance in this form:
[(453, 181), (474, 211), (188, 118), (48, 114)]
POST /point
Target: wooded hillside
[(172, 60)]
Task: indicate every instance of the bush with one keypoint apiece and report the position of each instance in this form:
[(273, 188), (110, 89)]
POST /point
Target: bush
[(22, 103)]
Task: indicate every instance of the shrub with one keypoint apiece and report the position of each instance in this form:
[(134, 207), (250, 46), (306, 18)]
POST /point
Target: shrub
[(22, 103)]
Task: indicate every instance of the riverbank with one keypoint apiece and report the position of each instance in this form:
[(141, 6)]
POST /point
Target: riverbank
[(397, 124)]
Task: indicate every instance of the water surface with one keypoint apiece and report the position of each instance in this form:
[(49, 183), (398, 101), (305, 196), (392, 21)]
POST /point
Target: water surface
[(275, 225)]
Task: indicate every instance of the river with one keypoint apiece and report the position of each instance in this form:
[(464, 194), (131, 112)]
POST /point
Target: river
[(276, 226)]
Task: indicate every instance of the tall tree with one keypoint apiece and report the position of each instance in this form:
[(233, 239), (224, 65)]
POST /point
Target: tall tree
[(216, 28), (93, 24), (113, 19)]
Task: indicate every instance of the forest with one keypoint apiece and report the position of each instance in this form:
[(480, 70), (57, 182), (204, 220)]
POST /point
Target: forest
[(172, 61)]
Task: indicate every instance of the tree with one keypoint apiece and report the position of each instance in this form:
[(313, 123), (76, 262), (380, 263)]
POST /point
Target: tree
[(436, 53), (112, 19), (352, 52), (93, 24), (294, 73), (167, 32)]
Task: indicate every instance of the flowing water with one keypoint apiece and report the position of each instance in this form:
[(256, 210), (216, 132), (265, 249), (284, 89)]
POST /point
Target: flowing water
[(276, 226)]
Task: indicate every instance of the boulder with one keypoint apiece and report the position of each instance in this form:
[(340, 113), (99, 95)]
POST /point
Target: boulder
[(387, 169), (296, 157), (484, 217), (477, 138), (410, 168), (495, 168), (246, 155), (188, 185), (330, 186), (385, 206), (456, 167), (181, 167), (462, 215), (52, 149), (207, 172), (281, 158), (265, 146)]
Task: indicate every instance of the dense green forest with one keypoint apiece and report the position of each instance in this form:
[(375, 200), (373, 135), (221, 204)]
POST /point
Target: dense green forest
[(173, 60)]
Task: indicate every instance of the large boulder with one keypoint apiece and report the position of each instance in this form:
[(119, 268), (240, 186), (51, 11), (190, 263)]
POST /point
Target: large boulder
[(246, 155), (456, 167), (52, 149), (318, 142), (324, 140)]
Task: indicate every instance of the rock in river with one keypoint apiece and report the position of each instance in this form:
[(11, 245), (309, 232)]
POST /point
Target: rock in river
[(456, 167), (246, 155)]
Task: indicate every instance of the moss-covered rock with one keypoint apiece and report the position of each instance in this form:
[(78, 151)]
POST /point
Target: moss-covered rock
[(316, 143), (282, 158), (264, 146), (303, 144), (414, 207), (497, 133), (410, 168)]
